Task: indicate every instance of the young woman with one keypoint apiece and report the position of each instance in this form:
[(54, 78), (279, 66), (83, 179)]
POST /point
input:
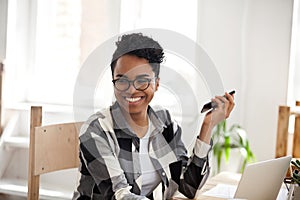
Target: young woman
[(133, 151)]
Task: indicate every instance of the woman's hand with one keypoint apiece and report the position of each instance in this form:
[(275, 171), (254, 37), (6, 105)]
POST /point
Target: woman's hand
[(224, 107), (222, 111)]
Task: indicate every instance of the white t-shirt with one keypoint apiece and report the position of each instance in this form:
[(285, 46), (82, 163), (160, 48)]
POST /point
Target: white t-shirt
[(150, 177)]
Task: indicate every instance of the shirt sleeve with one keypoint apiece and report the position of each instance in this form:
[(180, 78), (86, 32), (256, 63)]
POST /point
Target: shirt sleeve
[(201, 148), (196, 170), (125, 194)]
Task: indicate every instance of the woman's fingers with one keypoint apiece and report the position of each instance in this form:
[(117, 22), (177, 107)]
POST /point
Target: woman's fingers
[(225, 103), (231, 104), (220, 110)]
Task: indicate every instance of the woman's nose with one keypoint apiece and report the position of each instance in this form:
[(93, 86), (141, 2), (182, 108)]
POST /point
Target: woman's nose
[(131, 88)]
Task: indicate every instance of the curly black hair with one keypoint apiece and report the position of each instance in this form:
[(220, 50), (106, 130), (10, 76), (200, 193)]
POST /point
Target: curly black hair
[(141, 46)]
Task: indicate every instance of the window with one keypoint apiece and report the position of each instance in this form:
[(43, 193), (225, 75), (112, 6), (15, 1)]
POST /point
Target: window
[(43, 50), (57, 51), (294, 81)]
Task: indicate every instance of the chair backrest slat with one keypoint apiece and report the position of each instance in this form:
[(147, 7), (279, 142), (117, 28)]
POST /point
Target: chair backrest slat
[(33, 180), (296, 138), (284, 114), (56, 147), (52, 148), (282, 131)]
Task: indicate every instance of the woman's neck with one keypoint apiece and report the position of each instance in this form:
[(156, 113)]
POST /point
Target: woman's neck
[(138, 123)]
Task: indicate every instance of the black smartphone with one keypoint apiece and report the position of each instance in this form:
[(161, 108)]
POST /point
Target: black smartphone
[(211, 105)]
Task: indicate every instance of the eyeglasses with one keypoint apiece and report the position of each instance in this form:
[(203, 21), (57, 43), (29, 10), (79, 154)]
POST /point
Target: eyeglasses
[(140, 84)]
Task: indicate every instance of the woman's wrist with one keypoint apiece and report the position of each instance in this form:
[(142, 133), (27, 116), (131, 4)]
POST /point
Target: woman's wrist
[(205, 132)]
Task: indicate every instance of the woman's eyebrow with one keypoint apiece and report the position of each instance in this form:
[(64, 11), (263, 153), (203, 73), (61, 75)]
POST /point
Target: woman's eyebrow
[(138, 76), (121, 76), (142, 75)]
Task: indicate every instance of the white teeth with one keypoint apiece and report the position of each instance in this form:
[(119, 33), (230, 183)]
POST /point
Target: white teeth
[(133, 99)]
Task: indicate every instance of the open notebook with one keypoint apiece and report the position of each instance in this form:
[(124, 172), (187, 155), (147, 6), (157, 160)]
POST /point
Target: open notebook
[(261, 180)]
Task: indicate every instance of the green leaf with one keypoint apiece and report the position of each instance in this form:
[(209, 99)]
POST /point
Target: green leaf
[(225, 140), (243, 166), (227, 148), (224, 125), (219, 156)]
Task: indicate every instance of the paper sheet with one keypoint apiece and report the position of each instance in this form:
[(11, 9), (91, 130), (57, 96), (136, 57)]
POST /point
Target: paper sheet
[(228, 191), (222, 191)]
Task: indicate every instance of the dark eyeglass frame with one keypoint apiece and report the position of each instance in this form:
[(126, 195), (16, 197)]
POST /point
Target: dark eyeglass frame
[(133, 82)]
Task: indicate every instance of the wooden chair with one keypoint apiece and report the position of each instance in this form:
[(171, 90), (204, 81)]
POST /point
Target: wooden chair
[(282, 143), (284, 114), (52, 148)]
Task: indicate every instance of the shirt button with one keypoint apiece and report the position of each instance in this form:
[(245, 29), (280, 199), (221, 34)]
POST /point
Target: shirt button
[(163, 173)]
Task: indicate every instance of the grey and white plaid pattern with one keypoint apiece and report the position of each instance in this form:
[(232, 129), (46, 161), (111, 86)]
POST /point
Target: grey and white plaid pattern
[(110, 165)]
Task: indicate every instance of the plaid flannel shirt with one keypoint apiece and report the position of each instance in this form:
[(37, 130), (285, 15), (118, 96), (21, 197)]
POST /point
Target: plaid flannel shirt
[(110, 165)]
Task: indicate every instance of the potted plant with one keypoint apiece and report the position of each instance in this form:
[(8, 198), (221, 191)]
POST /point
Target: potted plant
[(294, 181), (226, 140)]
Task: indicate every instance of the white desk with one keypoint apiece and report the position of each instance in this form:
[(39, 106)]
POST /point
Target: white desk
[(223, 177)]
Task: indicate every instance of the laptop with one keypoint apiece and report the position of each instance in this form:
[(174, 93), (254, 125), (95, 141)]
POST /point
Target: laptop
[(260, 180)]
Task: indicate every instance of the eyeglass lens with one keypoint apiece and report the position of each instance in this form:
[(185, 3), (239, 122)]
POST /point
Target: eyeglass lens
[(139, 84)]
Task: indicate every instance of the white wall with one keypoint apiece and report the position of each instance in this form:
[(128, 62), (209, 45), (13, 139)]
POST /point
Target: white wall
[(3, 26), (100, 21), (294, 81), (249, 42)]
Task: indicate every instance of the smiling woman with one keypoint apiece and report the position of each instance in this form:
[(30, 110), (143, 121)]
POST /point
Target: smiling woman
[(131, 150), (236, 35)]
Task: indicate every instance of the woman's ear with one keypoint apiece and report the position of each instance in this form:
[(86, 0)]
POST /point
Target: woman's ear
[(157, 83)]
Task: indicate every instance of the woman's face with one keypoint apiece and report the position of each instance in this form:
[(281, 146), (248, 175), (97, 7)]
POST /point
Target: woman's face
[(130, 67)]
